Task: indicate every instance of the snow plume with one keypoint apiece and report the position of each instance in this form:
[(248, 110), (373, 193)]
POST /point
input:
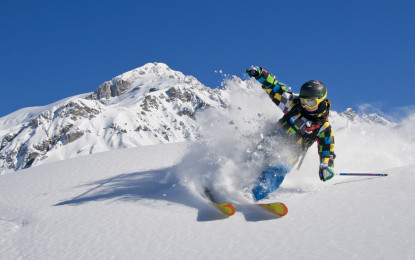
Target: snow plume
[(224, 157), (226, 138)]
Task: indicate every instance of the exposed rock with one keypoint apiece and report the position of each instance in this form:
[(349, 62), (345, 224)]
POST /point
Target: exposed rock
[(71, 137), (111, 89)]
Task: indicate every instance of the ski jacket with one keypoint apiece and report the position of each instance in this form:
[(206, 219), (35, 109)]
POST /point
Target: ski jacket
[(303, 129)]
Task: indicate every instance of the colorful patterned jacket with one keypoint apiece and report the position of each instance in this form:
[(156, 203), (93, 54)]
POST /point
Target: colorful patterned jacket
[(302, 128)]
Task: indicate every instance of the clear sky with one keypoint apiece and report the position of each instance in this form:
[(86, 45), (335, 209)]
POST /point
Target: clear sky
[(363, 50)]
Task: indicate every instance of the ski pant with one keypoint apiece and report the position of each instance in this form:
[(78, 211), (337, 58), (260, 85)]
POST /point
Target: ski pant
[(277, 156), (270, 180)]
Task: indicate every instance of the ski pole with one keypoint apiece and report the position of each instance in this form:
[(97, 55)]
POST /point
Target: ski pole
[(362, 174)]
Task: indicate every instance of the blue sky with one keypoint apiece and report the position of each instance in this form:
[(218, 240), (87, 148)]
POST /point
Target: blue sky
[(363, 50)]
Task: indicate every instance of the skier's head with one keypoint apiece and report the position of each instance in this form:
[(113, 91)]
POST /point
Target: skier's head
[(312, 93)]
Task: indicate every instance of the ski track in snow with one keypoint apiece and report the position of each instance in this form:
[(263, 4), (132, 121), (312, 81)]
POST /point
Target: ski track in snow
[(129, 204)]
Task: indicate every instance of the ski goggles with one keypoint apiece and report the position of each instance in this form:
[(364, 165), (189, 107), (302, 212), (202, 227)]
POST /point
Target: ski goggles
[(309, 103)]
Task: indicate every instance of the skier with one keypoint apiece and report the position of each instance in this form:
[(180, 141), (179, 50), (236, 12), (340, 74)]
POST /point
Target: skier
[(305, 121)]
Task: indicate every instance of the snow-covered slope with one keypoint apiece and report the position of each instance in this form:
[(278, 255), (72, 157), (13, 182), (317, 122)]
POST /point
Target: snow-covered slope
[(129, 204)]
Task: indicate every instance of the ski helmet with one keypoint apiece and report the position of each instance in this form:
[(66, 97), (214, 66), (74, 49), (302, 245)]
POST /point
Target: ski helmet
[(312, 93)]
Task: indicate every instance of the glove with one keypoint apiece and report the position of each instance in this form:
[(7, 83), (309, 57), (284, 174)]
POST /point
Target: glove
[(254, 71), (325, 172)]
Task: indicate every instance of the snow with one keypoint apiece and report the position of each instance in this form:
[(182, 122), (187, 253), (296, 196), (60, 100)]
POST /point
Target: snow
[(129, 204), (145, 202), (28, 113)]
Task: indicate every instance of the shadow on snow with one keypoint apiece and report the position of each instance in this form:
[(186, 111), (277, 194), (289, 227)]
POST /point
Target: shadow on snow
[(147, 185)]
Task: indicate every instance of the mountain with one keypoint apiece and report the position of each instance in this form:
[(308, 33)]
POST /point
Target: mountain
[(148, 105), (351, 116)]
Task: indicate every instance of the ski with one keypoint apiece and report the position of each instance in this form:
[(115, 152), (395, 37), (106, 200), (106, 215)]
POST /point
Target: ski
[(277, 208), (226, 208)]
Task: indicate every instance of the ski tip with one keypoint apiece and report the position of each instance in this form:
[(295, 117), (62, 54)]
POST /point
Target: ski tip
[(285, 210), (276, 208), (226, 208)]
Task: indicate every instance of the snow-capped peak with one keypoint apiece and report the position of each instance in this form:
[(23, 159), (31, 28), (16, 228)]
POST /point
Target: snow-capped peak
[(373, 118), (142, 79)]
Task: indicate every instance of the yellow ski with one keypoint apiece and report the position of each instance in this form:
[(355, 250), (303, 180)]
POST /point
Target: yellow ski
[(276, 208), (226, 208)]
